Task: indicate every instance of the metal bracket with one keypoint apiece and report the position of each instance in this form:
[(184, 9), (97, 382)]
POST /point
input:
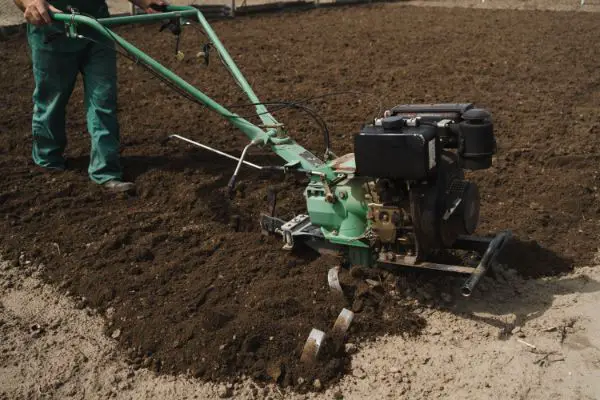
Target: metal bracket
[(71, 26), (295, 225), (299, 227), (487, 261), (490, 247)]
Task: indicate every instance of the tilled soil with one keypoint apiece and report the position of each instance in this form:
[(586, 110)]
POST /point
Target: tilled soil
[(188, 282)]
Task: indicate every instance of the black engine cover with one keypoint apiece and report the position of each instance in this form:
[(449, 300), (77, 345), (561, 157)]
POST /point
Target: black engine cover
[(407, 153), (445, 208)]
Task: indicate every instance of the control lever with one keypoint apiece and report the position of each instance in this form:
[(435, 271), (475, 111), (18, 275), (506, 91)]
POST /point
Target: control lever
[(174, 25), (72, 34), (231, 184), (205, 53)]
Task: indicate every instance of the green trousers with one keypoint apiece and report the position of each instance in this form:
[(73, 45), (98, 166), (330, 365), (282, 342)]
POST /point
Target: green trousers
[(55, 70)]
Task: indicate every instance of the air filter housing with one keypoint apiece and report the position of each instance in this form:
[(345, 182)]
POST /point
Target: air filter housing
[(396, 152)]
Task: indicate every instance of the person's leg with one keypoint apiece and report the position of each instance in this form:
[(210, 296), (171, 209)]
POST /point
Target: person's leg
[(54, 74), (99, 70)]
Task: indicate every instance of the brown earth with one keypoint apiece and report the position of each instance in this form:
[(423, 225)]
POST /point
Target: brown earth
[(188, 280)]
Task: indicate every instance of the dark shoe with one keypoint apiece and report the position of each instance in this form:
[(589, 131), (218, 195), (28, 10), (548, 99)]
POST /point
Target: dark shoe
[(119, 186)]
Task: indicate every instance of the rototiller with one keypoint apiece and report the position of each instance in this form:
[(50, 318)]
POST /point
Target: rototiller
[(399, 200)]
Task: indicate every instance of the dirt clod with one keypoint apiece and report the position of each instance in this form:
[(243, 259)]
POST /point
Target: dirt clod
[(225, 391), (350, 348), (317, 384), (446, 297), (36, 330)]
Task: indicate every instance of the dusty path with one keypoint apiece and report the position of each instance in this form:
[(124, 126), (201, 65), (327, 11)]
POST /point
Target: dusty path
[(481, 349), (553, 5)]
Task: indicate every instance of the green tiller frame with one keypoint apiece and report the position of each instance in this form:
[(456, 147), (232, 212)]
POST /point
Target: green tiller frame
[(337, 206)]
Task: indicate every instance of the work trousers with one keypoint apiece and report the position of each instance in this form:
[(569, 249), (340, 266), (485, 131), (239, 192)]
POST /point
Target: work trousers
[(55, 71)]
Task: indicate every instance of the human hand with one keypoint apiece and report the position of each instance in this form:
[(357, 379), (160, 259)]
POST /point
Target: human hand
[(37, 12)]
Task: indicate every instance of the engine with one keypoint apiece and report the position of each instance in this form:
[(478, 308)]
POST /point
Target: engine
[(413, 160)]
